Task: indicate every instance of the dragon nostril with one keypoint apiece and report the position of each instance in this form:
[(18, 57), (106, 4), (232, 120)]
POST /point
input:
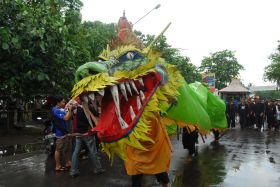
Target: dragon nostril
[(92, 72)]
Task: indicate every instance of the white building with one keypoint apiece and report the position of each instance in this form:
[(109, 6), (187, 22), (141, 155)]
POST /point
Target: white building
[(262, 88)]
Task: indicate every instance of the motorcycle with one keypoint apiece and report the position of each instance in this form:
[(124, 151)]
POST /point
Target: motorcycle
[(49, 137)]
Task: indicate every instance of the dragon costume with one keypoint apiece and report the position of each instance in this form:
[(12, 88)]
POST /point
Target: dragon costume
[(138, 94)]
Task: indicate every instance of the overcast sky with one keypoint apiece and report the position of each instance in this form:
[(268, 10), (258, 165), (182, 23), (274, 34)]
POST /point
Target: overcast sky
[(249, 27)]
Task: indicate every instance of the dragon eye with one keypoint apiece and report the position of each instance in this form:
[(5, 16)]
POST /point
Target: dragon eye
[(129, 56)]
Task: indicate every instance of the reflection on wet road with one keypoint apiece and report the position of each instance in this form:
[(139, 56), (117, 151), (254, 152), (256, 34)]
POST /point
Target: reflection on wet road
[(241, 158), (38, 170)]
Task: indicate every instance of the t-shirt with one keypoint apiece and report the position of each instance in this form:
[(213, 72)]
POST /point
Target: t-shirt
[(258, 108), (58, 115), (82, 122)]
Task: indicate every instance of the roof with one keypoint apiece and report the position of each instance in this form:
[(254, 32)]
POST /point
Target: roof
[(234, 87), (262, 88)]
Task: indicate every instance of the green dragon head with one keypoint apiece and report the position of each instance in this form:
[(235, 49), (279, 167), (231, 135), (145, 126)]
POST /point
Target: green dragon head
[(128, 84)]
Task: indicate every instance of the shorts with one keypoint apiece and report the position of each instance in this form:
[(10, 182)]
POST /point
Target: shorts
[(63, 144)]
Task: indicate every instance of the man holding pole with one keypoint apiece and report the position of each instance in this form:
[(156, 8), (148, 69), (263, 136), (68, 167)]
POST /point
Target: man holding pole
[(86, 119)]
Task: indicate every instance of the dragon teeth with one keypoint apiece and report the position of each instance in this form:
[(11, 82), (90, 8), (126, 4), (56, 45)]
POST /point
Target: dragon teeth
[(101, 92), (128, 88), (139, 105), (134, 87), (141, 81), (118, 113), (85, 108), (123, 124), (91, 96), (115, 95), (123, 90), (132, 114), (142, 96)]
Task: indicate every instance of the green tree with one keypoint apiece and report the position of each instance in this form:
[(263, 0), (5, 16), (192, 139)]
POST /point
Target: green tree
[(271, 94), (35, 55), (272, 71), (224, 65), (189, 71), (43, 42), (172, 56), (96, 36)]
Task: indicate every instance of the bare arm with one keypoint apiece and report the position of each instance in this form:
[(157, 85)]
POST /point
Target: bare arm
[(68, 114)]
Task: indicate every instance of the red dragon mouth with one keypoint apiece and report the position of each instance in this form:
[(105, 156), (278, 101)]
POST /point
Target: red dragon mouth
[(123, 104)]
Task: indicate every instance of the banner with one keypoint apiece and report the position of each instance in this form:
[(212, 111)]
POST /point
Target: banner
[(209, 80)]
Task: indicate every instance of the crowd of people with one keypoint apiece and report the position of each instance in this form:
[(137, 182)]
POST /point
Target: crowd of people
[(254, 113)]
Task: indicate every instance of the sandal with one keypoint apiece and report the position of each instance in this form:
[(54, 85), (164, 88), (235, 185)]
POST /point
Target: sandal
[(67, 167), (60, 169)]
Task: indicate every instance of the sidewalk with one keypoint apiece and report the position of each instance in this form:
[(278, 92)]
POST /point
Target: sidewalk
[(32, 132)]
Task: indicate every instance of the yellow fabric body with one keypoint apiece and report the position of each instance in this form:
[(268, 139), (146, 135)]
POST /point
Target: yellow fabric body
[(158, 155)]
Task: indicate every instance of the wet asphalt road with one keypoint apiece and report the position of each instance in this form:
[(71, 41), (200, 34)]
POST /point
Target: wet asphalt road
[(242, 158)]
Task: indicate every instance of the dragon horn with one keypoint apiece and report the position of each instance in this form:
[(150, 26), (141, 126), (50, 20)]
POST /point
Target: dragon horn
[(147, 49), (108, 48)]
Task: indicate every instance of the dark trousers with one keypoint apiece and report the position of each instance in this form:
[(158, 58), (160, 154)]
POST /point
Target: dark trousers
[(250, 120), (216, 134), (242, 121), (189, 139), (259, 121), (270, 122), (161, 177), (231, 121)]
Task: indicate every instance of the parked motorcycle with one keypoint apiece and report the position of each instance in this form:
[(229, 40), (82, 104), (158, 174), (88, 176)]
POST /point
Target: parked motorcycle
[(49, 136)]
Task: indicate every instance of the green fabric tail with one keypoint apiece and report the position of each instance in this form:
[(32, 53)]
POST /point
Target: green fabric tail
[(197, 105)]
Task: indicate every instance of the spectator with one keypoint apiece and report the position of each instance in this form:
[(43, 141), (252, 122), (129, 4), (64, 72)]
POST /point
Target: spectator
[(250, 119), (20, 110), (270, 112), (243, 112), (258, 112), (230, 113), (37, 108)]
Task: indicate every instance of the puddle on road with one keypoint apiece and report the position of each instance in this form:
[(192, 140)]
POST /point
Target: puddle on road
[(205, 170), (216, 165), (253, 173)]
